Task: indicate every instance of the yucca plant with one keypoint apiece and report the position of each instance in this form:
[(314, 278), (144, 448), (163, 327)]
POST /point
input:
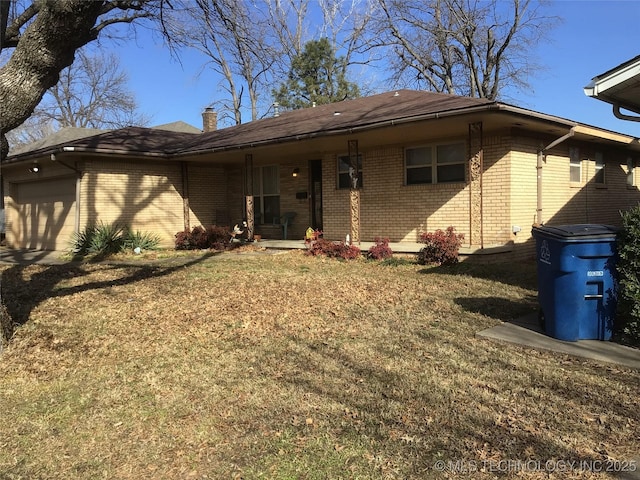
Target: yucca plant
[(101, 239), (81, 242), (107, 239), (142, 240)]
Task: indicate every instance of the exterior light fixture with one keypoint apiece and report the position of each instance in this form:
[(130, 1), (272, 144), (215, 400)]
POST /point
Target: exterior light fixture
[(296, 172), (34, 168)]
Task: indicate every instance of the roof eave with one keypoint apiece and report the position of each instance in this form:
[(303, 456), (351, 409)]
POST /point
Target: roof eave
[(61, 149)]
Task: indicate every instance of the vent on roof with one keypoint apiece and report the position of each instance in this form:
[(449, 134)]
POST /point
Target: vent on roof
[(276, 109)]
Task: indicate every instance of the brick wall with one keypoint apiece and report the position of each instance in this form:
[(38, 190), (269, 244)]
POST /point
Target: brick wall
[(388, 207), (147, 195), (207, 195), (563, 201), (143, 195)]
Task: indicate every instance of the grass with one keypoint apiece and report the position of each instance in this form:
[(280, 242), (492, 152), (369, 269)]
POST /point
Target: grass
[(291, 367)]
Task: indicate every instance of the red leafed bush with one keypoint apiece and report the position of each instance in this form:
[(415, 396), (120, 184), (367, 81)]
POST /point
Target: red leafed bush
[(441, 247), (381, 250), (212, 237), (333, 249)]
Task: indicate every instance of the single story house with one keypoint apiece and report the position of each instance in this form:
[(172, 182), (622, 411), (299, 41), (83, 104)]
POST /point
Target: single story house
[(391, 165)]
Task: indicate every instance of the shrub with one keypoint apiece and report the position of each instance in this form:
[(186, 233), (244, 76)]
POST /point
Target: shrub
[(441, 247), (106, 239), (628, 267), (81, 242), (183, 240), (102, 239), (144, 241), (333, 249), (212, 237), (218, 238), (381, 250)]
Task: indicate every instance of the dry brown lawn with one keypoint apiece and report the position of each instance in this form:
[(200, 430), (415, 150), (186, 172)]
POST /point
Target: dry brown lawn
[(250, 365)]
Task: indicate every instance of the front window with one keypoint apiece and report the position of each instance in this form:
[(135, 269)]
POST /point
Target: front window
[(346, 173), (266, 190), (630, 171), (442, 163)]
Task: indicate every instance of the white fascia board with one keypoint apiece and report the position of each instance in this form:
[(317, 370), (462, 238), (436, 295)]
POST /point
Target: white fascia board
[(600, 85)]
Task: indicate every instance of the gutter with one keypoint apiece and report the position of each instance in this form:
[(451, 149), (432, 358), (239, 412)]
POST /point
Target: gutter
[(100, 151)]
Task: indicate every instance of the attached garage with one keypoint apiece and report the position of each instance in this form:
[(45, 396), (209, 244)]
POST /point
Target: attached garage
[(42, 214)]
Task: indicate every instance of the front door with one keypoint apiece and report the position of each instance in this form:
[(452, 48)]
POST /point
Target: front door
[(315, 167)]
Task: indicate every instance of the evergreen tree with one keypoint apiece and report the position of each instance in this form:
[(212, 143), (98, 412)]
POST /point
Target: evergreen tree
[(317, 77)]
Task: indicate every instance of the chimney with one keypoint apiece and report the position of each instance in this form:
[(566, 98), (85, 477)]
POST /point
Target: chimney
[(209, 120)]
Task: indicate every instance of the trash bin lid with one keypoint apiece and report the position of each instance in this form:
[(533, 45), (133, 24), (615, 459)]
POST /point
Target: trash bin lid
[(580, 232)]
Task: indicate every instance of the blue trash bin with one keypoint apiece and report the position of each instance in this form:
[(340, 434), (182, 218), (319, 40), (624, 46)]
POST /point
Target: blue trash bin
[(577, 280)]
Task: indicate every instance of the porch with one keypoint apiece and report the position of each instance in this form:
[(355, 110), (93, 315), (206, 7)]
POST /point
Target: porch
[(396, 247)]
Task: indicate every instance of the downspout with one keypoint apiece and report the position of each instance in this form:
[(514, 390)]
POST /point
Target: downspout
[(618, 114), (76, 225), (542, 153), (185, 195)]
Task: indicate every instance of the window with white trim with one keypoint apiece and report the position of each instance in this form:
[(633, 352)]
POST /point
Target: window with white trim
[(266, 193), (575, 166), (440, 163), (599, 177)]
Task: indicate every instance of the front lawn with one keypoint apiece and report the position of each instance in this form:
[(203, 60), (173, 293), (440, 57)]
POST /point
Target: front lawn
[(292, 367)]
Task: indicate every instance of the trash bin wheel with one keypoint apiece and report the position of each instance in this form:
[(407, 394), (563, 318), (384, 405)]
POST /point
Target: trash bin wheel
[(541, 319)]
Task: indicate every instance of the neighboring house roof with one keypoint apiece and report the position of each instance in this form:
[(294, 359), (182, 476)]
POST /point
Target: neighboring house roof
[(179, 126), (619, 86), (64, 135), (347, 117)]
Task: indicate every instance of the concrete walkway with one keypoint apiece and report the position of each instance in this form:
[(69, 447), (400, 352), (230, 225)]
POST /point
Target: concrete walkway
[(28, 257), (526, 332)]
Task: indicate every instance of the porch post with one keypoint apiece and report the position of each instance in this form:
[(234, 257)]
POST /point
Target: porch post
[(354, 192), (476, 154), (248, 191)]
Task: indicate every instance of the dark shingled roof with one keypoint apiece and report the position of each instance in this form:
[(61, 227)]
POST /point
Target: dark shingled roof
[(401, 105), (62, 136), (334, 117)]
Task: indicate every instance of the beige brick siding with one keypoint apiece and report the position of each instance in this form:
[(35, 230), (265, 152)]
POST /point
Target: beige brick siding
[(207, 194), (496, 191), (142, 195), (147, 195), (235, 194), (565, 202)]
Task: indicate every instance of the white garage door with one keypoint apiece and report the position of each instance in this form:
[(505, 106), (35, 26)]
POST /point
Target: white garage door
[(45, 214)]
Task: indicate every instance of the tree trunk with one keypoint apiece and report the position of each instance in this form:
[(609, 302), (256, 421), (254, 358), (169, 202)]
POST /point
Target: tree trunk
[(47, 46)]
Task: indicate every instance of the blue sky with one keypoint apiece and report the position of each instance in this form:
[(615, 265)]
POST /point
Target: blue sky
[(594, 36)]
